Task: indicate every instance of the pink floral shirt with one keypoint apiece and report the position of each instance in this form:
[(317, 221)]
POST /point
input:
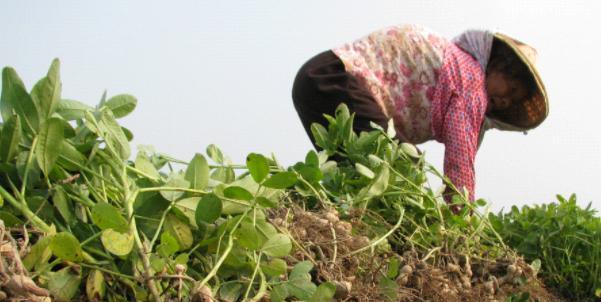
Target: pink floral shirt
[(429, 87)]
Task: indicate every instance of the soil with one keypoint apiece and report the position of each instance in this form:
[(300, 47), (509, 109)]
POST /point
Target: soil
[(327, 241)]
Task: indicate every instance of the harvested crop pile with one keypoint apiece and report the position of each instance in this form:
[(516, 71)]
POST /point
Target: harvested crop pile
[(84, 222), (329, 243)]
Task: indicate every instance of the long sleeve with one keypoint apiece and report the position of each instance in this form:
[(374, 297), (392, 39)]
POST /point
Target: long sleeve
[(460, 136)]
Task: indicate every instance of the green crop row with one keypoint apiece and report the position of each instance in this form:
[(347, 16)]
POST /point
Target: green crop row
[(564, 237)]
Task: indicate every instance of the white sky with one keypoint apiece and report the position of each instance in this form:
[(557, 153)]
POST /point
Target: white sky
[(221, 72)]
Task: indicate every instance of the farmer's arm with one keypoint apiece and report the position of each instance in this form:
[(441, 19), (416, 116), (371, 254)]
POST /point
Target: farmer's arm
[(460, 137)]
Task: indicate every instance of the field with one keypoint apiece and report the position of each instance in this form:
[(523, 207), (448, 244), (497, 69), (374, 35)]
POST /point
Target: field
[(80, 220)]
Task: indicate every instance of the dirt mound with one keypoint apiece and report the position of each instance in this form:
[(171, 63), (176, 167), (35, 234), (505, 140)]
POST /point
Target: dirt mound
[(342, 254)]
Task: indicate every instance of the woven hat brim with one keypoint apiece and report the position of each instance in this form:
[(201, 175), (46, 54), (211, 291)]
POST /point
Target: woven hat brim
[(536, 109)]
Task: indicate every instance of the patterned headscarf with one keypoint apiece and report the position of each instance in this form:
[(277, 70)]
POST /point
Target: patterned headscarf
[(478, 43)]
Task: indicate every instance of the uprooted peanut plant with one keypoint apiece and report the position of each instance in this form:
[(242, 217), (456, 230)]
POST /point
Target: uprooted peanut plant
[(82, 221)]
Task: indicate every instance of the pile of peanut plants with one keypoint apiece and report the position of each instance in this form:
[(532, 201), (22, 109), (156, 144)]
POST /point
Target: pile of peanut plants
[(81, 220)]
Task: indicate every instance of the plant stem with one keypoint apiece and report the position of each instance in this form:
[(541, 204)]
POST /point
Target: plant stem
[(252, 278), (262, 288), (22, 207), (141, 173), (108, 271), (158, 231), (142, 249), (156, 189), (226, 252), (29, 159)]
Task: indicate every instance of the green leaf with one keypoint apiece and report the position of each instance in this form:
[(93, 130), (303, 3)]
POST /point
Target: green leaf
[(70, 158), (325, 292), (68, 130), (105, 216), (188, 207), (267, 203), (299, 281), (378, 185), (46, 93), (277, 246), (39, 254), (266, 229), (91, 122), (279, 293), (215, 154), (63, 205), (235, 192), (224, 175), (312, 159), (50, 141), (365, 171), (72, 109), (301, 270), (175, 182), (257, 166), (197, 172), (248, 237), (122, 104), (168, 246), (128, 134), (536, 266), (143, 164), (15, 99), (180, 231), (117, 243), (393, 268), (410, 150), (311, 174), (281, 180), (63, 285), (266, 197), (65, 246), (480, 202), (388, 288), (113, 134), (11, 137), (320, 134), (102, 99), (275, 267), (182, 259), (367, 139), (157, 262), (342, 113), (230, 292), (209, 209), (391, 131), (42, 206), (10, 219), (95, 286)]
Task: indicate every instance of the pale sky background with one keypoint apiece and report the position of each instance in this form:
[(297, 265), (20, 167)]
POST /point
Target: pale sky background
[(221, 72)]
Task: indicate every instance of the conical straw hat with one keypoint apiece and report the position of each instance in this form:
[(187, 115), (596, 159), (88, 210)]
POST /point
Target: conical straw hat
[(533, 111)]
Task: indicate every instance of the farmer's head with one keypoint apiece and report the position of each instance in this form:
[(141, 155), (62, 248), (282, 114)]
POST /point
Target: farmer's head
[(508, 82)]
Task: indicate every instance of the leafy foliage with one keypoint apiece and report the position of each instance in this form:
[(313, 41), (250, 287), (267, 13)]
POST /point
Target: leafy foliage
[(66, 170), (565, 237)]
